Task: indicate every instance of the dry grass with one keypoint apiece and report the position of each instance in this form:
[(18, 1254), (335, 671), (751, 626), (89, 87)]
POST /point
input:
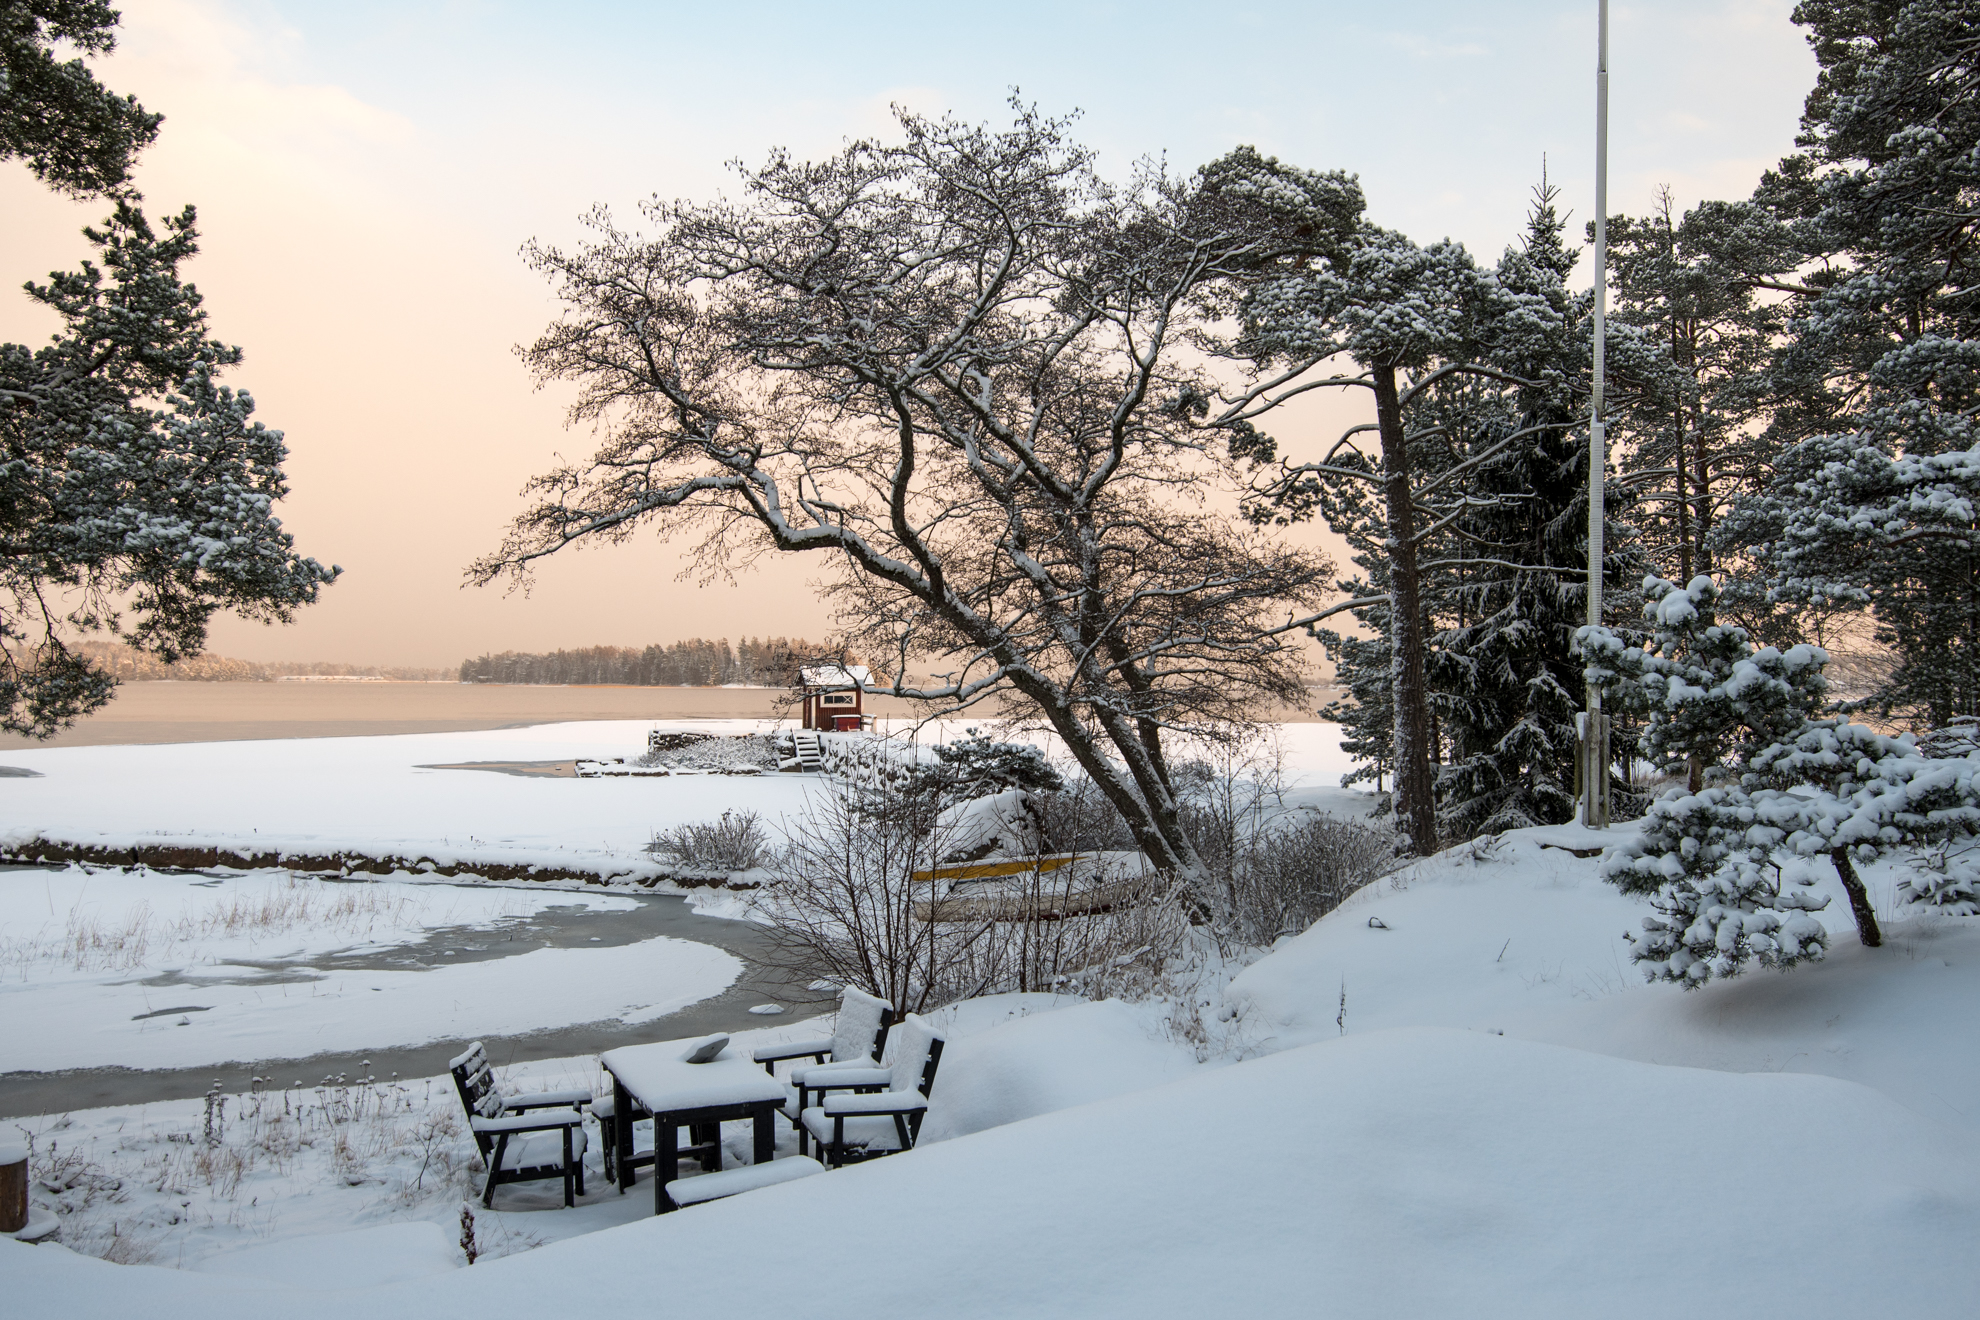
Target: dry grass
[(91, 941), (127, 1199)]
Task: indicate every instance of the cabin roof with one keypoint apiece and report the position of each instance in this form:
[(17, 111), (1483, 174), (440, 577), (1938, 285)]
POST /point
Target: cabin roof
[(828, 678)]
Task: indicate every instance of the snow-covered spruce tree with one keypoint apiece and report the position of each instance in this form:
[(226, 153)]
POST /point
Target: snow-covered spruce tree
[(1880, 380), (1506, 581), (132, 483), (951, 367)]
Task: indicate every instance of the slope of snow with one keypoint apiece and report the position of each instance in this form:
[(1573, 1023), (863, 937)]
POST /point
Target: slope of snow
[(1408, 1172), (1529, 941)]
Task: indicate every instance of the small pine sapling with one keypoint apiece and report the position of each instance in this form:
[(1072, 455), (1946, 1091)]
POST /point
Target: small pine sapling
[(1703, 690), (1726, 865)]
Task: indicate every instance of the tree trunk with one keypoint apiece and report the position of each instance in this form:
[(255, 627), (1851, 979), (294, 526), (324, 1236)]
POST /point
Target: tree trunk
[(1416, 807), (1859, 899), (1146, 803)]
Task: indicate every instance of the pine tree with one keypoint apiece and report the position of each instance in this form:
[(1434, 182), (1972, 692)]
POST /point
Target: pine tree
[(131, 481), (1727, 864), (1880, 381), (74, 133), (1692, 283)]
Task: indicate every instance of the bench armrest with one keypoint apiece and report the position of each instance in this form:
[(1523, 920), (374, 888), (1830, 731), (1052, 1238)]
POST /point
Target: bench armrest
[(842, 1079), (527, 1122), (797, 1049), (880, 1102), (545, 1099)]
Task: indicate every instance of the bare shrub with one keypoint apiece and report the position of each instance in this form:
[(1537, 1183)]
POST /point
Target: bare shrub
[(1080, 819), (842, 904), (1120, 949), (846, 908), (736, 842), (1290, 874)]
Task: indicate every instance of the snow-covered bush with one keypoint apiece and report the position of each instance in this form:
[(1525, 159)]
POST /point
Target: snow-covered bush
[(736, 842), (973, 766), (1712, 862), (882, 767), (1706, 861), (700, 751)]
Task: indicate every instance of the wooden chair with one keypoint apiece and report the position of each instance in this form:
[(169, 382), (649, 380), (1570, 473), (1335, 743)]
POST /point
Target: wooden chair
[(865, 1113), (516, 1145), (859, 1035)]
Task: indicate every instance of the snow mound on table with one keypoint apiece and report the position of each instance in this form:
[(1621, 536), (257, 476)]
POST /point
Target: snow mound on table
[(1419, 1172)]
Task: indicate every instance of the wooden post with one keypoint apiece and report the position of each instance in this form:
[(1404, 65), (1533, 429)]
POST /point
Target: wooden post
[(13, 1188)]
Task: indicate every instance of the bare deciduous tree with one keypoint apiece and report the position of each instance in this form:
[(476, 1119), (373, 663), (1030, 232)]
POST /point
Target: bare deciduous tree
[(951, 365)]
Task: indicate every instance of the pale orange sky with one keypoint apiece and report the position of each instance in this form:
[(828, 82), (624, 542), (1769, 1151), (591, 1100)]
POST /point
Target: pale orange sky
[(366, 173)]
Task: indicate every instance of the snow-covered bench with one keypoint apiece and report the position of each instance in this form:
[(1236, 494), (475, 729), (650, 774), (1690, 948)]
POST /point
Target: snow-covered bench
[(749, 1177), (865, 1113), (519, 1146)]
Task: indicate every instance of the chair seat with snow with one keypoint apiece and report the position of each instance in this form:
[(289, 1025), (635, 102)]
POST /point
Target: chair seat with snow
[(864, 1113), (516, 1145), (859, 1036)]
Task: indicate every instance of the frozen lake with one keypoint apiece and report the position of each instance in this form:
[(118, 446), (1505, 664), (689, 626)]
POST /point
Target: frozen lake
[(145, 979)]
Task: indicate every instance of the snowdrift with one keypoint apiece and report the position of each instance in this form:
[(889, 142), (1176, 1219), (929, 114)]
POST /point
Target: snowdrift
[(1410, 1172)]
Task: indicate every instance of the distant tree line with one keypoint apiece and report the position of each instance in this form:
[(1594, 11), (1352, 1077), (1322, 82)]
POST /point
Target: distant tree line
[(696, 662), (127, 665)]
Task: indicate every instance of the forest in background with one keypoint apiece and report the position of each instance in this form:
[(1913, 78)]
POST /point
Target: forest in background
[(127, 665), (696, 662)]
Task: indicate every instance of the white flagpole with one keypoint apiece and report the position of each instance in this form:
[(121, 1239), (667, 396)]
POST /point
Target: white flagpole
[(1595, 731)]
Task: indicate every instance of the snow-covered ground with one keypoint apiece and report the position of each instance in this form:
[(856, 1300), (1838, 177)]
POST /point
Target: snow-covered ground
[(380, 795), (1451, 1096)]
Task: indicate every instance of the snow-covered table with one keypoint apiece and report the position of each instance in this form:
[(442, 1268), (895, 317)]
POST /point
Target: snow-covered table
[(657, 1080)]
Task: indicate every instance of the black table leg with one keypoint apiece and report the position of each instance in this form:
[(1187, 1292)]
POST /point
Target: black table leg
[(622, 1122), (766, 1135), (665, 1160)]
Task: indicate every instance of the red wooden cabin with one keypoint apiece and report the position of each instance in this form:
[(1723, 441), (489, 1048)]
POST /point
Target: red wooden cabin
[(834, 696)]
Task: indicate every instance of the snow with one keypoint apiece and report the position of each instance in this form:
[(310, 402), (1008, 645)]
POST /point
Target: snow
[(1412, 1172), (255, 966), (381, 796), (1046, 1060), (1454, 1095), (360, 1258)]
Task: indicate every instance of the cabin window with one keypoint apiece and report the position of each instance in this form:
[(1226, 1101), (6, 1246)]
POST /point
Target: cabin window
[(837, 699)]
